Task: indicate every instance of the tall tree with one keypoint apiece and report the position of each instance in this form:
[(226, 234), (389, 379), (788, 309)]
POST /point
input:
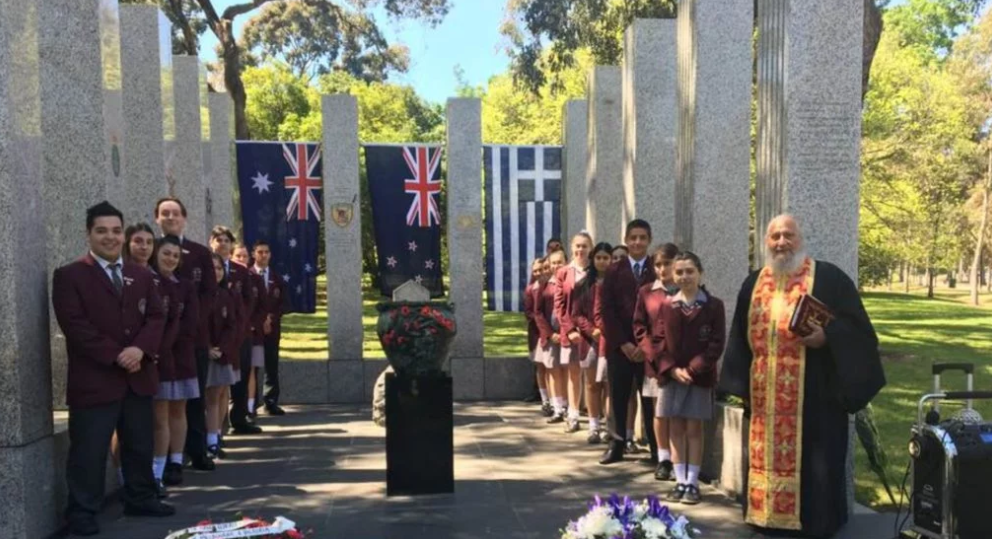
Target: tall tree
[(360, 45)]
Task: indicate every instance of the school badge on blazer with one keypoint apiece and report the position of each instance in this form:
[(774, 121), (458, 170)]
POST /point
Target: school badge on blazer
[(223, 312), (197, 273), (342, 213), (705, 332), (237, 287), (275, 293), (141, 305), (254, 291), (165, 304), (181, 308)]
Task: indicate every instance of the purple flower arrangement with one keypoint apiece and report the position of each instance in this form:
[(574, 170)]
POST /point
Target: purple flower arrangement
[(622, 518)]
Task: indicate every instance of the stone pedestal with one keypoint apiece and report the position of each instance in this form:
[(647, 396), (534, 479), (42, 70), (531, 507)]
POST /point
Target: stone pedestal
[(575, 134), (343, 226), (27, 479), (809, 129), (419, 436), (464, 222), (184, 159), (714, 95), (650, 117), (76, 148), (220, 181), (146, 68), (604, 164)]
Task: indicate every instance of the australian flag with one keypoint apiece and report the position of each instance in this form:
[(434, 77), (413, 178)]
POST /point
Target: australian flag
[(523, 212), (405, 188), (280, 185)]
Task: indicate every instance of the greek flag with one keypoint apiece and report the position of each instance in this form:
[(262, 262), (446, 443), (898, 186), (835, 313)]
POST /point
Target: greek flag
[(523, 211)]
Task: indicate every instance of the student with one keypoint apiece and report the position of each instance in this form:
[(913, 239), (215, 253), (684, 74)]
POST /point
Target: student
[(222, 244), (275, 301), (570, 278), (583, 317), (256, 319), (549, 339), (112, 319), (173, 391), (224, 353), (553, 244), (694, 328), (625, 361), (620, 252), (647, 338), (186, 376), (170, 215), (541, 374)]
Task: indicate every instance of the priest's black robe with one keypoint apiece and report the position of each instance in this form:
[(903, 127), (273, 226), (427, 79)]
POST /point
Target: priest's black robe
[(840, 378)]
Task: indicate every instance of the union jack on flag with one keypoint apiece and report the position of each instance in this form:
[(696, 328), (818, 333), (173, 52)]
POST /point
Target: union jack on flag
[(423, 186), (303, 182)]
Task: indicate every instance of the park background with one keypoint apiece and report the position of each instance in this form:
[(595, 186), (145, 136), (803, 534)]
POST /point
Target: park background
[(924, 261)]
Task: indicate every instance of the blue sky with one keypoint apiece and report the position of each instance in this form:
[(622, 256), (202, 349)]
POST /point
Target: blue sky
[(468, 37)]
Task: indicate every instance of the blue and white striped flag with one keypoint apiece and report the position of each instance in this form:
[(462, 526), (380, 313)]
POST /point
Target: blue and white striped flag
[(523, 211)]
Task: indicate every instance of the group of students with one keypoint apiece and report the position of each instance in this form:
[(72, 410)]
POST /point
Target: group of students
[(165, 339), (616, 321)]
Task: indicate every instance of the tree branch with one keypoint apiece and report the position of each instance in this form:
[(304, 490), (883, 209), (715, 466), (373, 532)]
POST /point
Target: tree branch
[(240, 9), (211, 14)]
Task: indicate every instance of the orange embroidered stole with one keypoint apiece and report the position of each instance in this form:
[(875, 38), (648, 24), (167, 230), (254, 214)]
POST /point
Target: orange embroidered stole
[(777, 374)]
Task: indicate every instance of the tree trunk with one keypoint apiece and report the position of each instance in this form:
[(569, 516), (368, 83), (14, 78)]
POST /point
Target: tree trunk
[(976, 262), (930, 279), (872, 33), (232, 78)]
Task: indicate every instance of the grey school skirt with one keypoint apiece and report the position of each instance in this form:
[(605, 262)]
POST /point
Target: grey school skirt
[(219, 375), (549, 356), (684, 401)]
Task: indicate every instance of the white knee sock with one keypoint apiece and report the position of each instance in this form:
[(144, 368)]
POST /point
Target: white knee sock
[(664, 454), (593, 424), (544, 395), (573, 413), (176, 458), (681, 473), (211, 438), (158, 466), (693, 476), (251, 405)]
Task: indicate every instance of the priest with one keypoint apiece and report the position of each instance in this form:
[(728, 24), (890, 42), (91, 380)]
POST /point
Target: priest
[(798, 390)]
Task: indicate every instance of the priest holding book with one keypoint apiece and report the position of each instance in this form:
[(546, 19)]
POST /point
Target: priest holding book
[(799, 376)]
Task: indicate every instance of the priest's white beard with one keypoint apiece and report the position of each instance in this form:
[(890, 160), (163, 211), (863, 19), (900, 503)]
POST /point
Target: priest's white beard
[(787, 264)]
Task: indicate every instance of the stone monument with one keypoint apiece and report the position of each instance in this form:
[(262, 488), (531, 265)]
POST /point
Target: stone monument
[(574, 155), (27, 450), (220, 180), (604, 163), (184, 159), (650, 117)]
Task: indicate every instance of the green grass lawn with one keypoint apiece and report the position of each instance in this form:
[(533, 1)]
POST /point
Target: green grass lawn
[(914, 332)]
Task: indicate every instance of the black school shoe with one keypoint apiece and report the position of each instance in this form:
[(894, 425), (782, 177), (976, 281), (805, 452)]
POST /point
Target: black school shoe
[(83, 527), (571, 425), (153, 508), (160, 490), (631, 448), (677, 493), (664, 471), (173, 474), (692, 495), (547, 410), (593, 438), (204, 463)]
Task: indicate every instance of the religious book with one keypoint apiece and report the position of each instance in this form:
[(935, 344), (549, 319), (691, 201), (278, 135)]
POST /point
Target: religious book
[(809, 311)]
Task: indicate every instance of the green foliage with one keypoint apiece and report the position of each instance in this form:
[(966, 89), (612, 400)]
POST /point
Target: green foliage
[(930, 26), (544, 35)]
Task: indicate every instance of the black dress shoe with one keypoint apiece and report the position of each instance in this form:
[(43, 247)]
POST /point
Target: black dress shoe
[(204, 464), (547, 410), (150, 509), (274, 409), (677, 493), (664, 471), (246, 429), (173, 474), (83, 526), (160, 490), (556, 418), (593, 438), (613, 454), (571, 425), (692, 495)]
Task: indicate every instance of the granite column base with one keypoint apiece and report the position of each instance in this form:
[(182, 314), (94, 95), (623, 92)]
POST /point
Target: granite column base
[(28, 488)]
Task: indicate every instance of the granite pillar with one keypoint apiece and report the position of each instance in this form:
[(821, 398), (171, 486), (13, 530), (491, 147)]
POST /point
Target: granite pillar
[(464, 216), (76, 148), (574, 155), (604, 163), (27, 479), (343, 242), (809, 129), (113, 102), (145, 63), (184, 164), (220, 180), (713, 149), (650, 116)]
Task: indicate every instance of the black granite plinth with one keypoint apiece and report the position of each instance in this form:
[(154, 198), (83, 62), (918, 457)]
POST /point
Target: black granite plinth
[(419, 436)]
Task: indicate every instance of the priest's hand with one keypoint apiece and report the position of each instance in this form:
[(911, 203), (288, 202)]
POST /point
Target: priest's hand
[(682, 375), (816, 339)]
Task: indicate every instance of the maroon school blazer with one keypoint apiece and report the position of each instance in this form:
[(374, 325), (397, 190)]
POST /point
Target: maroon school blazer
[(189, 324), (98, 324), (532, 333), (694, 342), (565, 297), (583, 317), (198, 268), (617, 301), (258, 312), (169, 291), (649, 326), (544, 305), (224, 327), (275, 302)]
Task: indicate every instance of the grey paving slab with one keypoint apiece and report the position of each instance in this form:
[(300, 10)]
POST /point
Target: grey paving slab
[(324, 468)]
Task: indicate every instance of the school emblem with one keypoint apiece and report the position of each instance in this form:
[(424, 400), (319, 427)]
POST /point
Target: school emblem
[(165, 303), (141, 305), (254, 291), (197, 275), (342, 213), (223, 312), (181, 308), (275, 293), (237, 286), (705, 332)]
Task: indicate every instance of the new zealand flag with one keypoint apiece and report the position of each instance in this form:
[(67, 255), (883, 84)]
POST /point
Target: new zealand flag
[(280, 185), (405, 188)]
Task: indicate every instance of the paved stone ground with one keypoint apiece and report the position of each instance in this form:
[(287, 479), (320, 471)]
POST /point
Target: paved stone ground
[(324, 468)]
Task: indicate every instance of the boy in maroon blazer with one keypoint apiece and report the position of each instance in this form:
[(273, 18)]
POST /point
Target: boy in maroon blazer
[(275, 300), (112, 319), (624, 360), (198, 268)]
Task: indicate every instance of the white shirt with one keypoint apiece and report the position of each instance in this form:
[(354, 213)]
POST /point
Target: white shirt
[(105, 264), (265, 275), (634, 264)]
